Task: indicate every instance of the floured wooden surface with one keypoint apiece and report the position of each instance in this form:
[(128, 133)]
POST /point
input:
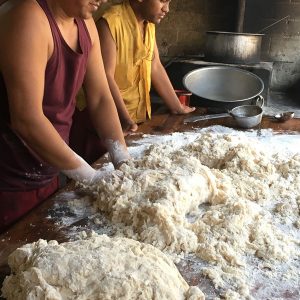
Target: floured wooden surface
[(237, 234)]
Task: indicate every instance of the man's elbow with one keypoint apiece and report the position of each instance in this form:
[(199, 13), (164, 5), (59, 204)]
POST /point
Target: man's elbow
[(25, 127)]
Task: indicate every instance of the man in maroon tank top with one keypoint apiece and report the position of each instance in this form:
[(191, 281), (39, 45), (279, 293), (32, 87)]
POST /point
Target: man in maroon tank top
[(49, 49)]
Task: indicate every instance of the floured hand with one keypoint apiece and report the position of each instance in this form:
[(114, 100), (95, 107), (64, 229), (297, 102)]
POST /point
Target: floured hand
[(118, 153), (85, 173)]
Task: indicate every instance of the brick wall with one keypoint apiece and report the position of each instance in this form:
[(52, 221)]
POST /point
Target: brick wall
[(281, 43), (182, 32)]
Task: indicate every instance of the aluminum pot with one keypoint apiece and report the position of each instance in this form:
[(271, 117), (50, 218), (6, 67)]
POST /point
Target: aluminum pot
[(247, 116), (224, 87), (233, 47)]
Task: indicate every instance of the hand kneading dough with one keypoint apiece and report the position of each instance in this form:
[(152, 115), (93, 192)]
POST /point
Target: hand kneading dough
[(98, 267)]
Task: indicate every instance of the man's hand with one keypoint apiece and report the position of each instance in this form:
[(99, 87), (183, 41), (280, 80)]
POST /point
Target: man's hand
[(103, 174), (83, 173), (129, 127), (86, 174), (118, 152), (183, 110)]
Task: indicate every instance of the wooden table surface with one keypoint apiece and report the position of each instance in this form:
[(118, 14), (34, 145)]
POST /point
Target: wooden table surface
[(36, 225)]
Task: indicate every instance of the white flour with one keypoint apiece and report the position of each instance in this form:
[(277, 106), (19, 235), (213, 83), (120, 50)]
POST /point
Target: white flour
[(228, 201)]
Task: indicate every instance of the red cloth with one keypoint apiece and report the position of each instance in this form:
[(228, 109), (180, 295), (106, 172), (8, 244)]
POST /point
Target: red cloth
[(84, 139), (13, 205)]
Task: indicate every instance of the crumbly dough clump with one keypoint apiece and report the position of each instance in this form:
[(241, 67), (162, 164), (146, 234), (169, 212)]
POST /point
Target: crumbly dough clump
[(96, 268), (216, 196)]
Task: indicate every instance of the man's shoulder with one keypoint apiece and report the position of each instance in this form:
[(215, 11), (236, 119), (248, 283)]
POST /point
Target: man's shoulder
[(116, 10), (22, 14), (25, 7), (23, 20)]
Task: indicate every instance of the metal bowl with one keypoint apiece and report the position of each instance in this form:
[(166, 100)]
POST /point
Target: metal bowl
[(247, 116), (225, 85)]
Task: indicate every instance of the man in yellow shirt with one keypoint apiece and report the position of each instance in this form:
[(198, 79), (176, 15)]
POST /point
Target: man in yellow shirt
[(131, 60)]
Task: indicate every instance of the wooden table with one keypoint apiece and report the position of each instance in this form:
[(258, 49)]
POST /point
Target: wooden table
[(36, 225)]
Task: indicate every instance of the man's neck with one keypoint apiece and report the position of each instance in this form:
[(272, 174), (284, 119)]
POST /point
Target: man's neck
[(136, 7)]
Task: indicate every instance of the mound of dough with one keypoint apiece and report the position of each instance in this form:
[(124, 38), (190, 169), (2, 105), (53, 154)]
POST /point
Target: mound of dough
[(98, 267), (152, 197), (213, 195)]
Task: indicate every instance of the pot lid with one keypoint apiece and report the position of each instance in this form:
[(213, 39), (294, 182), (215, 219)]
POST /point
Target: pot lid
[(223, 84)]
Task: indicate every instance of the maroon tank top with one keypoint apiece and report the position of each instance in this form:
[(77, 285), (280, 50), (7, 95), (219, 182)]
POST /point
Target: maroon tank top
[(20, 168)]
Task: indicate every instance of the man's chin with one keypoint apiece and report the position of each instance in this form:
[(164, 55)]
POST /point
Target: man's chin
[(86, 16), (156, 21)]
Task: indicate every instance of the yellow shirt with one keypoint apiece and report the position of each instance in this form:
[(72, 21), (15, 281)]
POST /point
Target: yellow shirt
[(134, 58)]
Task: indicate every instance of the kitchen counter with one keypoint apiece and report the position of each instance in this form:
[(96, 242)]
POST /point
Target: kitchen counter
[(37, 223)]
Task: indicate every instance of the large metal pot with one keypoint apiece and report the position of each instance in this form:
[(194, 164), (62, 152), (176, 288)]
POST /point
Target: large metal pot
[(225, 87), (231, 47)]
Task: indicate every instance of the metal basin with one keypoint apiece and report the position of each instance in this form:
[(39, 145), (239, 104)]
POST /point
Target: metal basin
[(227, 86)]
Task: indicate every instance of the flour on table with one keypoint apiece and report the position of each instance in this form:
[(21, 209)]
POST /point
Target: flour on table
[(97, 267), (214, 195)]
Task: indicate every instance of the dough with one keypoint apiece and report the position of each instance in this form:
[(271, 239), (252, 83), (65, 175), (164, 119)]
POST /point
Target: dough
[(225, 198), (153, 196), (98, 267), (215, 197)]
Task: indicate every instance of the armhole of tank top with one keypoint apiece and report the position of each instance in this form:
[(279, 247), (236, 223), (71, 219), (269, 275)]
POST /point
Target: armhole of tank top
[(78, 21), (112, 35), (44, 7)]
